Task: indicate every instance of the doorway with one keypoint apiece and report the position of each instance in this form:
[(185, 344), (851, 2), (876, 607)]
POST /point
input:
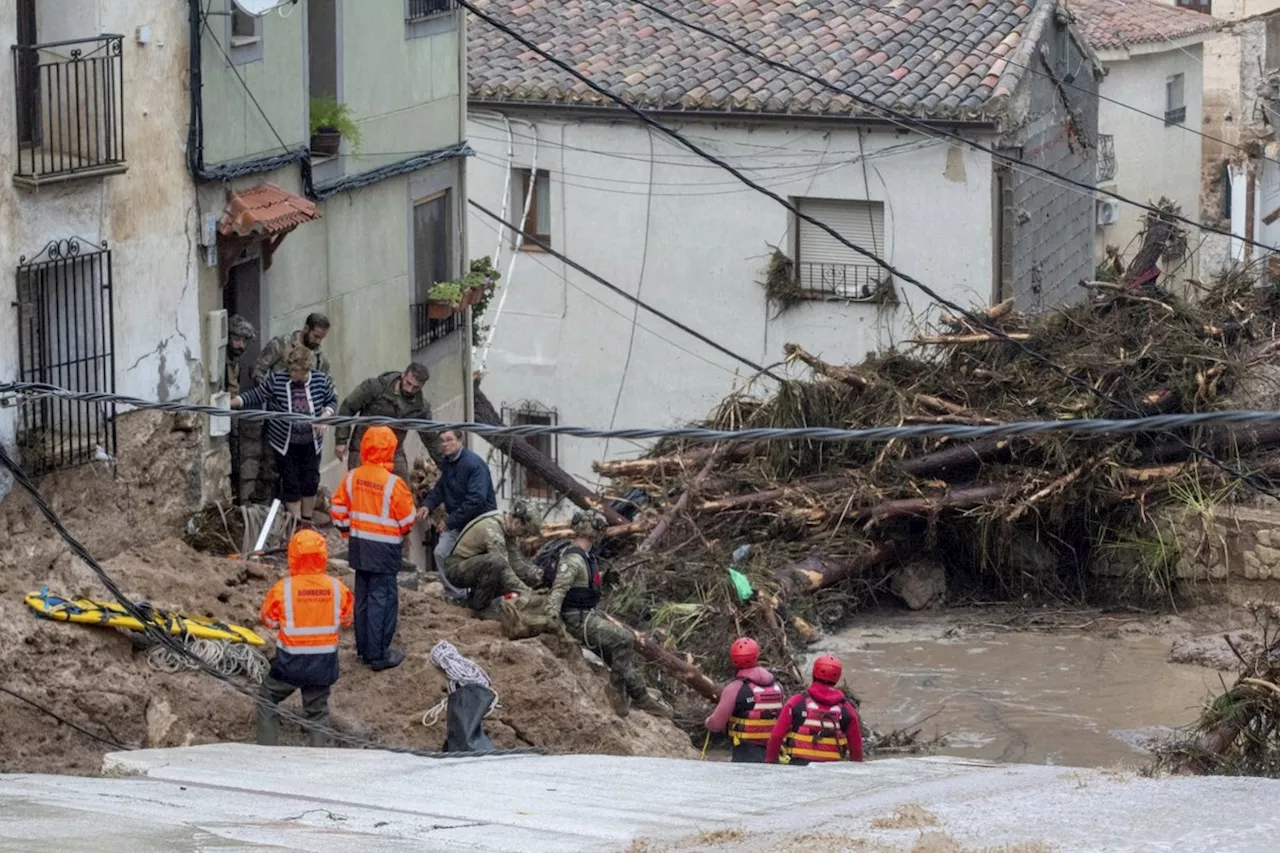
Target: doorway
[(242, 295)]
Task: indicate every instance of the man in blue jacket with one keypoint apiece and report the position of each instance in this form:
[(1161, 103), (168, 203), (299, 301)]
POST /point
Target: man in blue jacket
[(465, 488)]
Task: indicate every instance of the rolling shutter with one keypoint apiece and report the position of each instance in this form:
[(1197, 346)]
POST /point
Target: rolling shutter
[(821, 256)]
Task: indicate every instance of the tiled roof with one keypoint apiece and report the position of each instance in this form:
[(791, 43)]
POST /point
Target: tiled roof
[(1122, 23), (265, 209), (928, 57)]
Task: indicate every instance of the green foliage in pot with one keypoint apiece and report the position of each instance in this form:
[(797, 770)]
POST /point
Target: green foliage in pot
[(329, 115)]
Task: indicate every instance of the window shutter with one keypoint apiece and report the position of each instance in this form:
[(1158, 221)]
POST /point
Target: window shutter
[(824, 263)]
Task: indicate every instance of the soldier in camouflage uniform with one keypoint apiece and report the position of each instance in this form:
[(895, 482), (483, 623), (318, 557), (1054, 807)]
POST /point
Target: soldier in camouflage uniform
[(485, 559), (271, 358), (575, 590), (239, 332), (395, 394)]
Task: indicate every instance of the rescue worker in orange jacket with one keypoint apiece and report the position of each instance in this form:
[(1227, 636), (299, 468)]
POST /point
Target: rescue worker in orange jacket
[(373, 509), (307, 611), (817, 724), (748, 705)]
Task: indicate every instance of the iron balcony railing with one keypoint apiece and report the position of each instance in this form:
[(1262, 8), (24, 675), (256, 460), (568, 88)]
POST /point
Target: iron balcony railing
[(427, 331), (1106, 157), (419, 9), (66, 337), (70, 108), (839, 281)]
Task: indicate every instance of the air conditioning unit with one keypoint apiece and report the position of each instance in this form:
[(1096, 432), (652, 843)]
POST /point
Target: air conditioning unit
[(1108, 211), (215, 347)]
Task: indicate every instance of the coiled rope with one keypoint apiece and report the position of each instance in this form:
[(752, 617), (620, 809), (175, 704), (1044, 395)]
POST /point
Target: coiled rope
[(459, 670), (225, 658)]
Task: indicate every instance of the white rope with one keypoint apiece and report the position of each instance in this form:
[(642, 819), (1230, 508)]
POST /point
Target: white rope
[(226, 658), (459, 670)]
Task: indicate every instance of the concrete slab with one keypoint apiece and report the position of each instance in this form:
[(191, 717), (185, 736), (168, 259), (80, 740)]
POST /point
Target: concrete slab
[(235, 797)]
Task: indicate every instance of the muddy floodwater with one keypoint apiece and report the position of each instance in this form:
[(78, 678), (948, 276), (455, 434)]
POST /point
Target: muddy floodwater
[(1064, 697)]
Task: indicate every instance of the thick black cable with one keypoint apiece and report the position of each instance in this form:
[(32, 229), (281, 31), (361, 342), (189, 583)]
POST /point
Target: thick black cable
[(627, 296), (175, 644), (908, 120), (109, 741), (980, 322)]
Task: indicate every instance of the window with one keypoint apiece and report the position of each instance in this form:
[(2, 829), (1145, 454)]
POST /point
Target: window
[(322, 49), (416, 10), (825, 267), (526, 483), (65, 336), (538, 223), (432, 263), (429, 17), (244, 35), (1175, 109), (1203, 6)]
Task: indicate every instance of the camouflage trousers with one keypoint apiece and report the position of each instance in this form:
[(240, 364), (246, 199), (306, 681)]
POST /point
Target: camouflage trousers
[(616, 645), (486, 575)]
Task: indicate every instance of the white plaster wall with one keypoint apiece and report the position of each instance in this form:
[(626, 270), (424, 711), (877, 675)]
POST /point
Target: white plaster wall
[(694, 242), (1152, 159), (147, 215)]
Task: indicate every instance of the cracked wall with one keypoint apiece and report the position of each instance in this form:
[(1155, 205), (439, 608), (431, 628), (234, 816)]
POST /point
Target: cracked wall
[(146, 215)]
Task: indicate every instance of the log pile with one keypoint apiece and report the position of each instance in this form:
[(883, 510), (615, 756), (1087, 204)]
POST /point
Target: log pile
[(829, 522)]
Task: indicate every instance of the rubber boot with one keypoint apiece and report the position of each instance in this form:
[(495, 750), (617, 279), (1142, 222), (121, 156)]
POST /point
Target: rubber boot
[(618, 697), (268, 727), (394, 658)]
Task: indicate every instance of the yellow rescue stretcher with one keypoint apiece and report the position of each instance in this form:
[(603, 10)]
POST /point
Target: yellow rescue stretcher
[(112, 615)]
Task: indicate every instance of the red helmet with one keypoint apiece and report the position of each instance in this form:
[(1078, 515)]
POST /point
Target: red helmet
[(744, 653), (827, 669)]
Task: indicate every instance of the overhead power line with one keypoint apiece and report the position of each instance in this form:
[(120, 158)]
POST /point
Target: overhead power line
[(1017, 429), (909, 121)]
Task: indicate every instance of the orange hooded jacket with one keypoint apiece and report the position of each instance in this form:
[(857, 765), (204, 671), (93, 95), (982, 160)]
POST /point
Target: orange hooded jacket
[(307, 610), (374, 508)]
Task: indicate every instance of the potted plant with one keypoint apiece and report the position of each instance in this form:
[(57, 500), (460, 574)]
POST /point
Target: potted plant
[(331, 122), (444, 299), (472, 290)]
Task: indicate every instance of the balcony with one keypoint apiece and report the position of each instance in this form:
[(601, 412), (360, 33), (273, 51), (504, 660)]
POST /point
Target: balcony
[(427, 331), (839, 281), (1106, 157), (69, 99), (417, 10)]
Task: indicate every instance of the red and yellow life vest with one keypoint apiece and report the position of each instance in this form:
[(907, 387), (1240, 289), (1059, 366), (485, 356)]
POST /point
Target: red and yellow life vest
[(817, 732), (754, 713)]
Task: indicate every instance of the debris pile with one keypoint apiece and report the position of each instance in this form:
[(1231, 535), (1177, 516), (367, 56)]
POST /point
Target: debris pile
[(1238, 733), (832, 525)]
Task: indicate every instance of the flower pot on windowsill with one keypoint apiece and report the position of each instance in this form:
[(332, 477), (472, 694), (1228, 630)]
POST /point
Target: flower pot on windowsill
[(441, 310), (326, 143), (471, 297)]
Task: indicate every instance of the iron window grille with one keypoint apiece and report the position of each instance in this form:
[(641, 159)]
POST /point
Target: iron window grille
[(839, 281), (66, 337), (416, 10), (1106, 157), (69, 98), (522, 483), (427, 331)]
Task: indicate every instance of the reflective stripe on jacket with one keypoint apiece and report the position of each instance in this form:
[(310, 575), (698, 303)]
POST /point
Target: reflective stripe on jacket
[(374, 509), (307, 610), (754, 713), (818, 732)]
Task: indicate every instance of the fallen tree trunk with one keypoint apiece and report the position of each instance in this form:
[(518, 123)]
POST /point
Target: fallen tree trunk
[(813, 573), (679, 667), (537, 462), (995, 312), (660, 529), (845, 375), (1214, 441), (769, 495), (976, 338), (960, 456), (661, 465), (958, 499)]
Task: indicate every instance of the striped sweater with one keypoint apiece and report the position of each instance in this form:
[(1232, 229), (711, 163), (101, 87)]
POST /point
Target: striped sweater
[(274, 394)]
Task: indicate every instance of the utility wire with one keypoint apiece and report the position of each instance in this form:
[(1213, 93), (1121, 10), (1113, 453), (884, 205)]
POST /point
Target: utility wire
[(980, 322), (162, 637), (109, 741), (895, 116), (1014, 429), (627, 296)]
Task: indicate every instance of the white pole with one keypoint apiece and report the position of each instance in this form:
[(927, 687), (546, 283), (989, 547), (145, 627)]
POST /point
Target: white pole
[(266, 528)]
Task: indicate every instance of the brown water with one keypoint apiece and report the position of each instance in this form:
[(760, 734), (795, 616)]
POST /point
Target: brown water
[(1043, 698)]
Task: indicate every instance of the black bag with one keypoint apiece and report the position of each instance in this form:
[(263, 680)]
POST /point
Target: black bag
[(465, 719)]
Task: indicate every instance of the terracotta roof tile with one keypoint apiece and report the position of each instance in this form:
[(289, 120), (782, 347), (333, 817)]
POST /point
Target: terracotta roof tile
[(1114, 24), (923, 56), (265, 209)]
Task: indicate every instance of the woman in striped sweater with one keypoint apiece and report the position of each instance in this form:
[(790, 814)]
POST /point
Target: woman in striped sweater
[(296, 445)]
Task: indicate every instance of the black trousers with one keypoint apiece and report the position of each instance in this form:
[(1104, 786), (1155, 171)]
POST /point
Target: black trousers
[(377, 611), (747, 753)]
